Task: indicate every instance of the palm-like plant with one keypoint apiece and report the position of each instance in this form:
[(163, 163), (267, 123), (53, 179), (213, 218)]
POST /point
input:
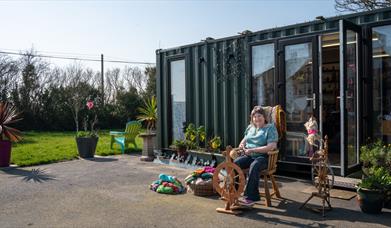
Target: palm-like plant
[(148, 113), (9, 115)]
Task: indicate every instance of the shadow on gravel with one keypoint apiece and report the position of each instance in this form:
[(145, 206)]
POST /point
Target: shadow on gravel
[(36, 175), (289, 208), (101, 159)]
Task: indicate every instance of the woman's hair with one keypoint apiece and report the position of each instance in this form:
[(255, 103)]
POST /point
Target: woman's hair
[(259, 110)]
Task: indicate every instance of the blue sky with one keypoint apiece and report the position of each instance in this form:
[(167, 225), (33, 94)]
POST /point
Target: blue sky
[(133, 30)]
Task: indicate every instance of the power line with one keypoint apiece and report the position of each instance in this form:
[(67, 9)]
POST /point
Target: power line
[(76, 58), (54, 53)]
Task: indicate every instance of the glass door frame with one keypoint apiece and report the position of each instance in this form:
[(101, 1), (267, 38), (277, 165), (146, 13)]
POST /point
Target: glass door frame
[(343, 27), (281, 80), (168, 131), (367, 107)]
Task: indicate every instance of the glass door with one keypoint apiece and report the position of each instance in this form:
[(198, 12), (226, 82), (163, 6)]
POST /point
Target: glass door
[(298, 93), (178, 98), (350, 73)]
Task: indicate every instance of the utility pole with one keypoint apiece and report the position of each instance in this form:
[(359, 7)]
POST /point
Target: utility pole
[(102, 80)]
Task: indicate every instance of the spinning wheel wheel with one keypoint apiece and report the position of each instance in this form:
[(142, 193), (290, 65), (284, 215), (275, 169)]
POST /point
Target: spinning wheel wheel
[(229, 181), (321, 172)]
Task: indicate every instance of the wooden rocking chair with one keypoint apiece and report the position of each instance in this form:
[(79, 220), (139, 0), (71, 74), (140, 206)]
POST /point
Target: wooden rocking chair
[(277, 116)]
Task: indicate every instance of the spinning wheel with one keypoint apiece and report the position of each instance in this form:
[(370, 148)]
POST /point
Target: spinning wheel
[(229, 181), (322, 173), (322, 176)]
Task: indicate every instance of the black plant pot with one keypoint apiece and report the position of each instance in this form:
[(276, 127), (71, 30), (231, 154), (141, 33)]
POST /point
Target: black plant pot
[(370, 201), (387, 199), (86, 146)]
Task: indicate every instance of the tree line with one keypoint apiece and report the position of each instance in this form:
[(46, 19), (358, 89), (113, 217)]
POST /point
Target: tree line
[(49, 96)]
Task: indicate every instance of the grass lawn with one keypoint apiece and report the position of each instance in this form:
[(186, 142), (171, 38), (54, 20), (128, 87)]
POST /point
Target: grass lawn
[(48, 147)]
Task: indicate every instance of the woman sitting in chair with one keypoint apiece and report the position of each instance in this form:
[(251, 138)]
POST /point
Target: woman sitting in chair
[(259, 138)]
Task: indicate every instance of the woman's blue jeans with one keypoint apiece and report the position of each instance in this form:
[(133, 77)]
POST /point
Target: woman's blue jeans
[(255, 165)]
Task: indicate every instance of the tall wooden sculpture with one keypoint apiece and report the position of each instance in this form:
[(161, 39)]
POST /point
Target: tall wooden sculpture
[(229, 181), (321, 173)]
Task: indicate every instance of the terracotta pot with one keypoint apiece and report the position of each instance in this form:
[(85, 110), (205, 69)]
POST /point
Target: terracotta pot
[(5, 153)]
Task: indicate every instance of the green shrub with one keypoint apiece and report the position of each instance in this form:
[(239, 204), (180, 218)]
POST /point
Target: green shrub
[(86, 134), (375, 155), (379, 179)]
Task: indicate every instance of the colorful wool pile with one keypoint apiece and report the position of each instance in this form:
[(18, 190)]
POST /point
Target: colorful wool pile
[(167, 185), (200, 176)]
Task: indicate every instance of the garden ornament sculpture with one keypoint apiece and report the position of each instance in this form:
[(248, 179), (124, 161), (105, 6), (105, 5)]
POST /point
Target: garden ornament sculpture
[(312, 130)]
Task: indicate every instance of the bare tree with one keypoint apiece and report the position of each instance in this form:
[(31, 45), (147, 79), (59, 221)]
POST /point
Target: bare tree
[(8, 76), (135, 78), (360, 5), (56, 77), (115, 83), (34, 77), (77, 79)]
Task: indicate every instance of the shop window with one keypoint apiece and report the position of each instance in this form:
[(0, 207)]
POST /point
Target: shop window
[(263, 74), (381, 73), (178, 98)]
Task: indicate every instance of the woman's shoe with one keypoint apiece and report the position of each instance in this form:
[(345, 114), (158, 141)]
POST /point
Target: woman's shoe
[(246, 202)]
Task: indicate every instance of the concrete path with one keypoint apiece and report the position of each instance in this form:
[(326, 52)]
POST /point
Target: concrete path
[(113, 192)]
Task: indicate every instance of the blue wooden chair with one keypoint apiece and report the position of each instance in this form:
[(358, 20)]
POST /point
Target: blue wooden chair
[(128, 136)]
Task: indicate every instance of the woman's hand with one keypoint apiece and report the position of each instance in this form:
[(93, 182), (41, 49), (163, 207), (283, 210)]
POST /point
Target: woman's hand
[(241, 145), (247, 152)]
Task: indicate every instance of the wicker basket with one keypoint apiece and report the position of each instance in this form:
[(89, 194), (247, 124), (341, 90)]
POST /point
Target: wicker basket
[(205, 189)]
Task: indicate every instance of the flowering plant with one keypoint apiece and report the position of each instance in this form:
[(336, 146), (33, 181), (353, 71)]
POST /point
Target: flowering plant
[(215, 143), (87, 121)]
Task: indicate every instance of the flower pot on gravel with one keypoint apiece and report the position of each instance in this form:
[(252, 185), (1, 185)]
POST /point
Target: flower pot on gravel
[(86, 146), (5, 153)]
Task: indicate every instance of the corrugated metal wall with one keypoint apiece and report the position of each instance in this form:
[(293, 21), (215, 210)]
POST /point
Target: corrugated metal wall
[(218, 80), (216, 99)]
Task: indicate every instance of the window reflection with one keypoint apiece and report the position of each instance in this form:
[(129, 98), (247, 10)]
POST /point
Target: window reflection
[(381, 73), (178, 98), (299, 88), (351, 96), (263, 74)]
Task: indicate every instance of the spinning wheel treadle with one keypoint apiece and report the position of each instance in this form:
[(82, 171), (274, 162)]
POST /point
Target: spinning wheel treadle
[(229, 181)]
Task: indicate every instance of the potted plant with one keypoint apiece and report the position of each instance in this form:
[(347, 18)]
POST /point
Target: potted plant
[(201, 132), (181, 147), (8, 115), (370, 191), (375, 188), (214, 144), (148, 114), (87, 140), (191, 136)]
